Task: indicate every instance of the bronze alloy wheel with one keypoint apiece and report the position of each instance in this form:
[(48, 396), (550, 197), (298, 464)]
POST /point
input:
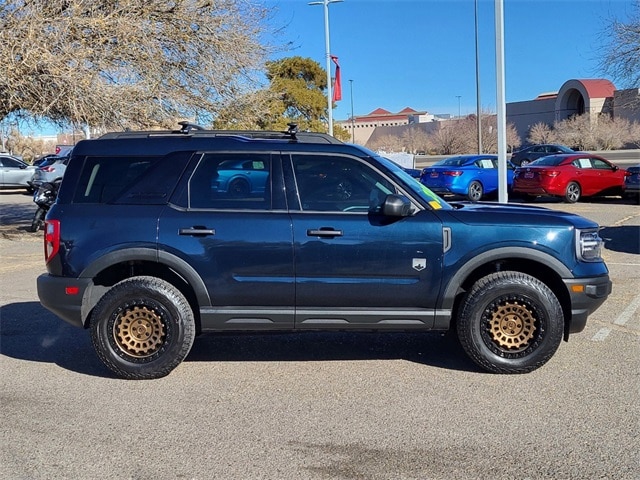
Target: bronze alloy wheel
[(512, 325), (510, 322), (139, 331)]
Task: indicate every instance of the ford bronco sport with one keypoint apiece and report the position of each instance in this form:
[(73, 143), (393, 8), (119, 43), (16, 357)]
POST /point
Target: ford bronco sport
[(159, 236)]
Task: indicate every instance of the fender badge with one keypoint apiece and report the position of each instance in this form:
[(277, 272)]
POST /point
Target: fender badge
[(419, 264)]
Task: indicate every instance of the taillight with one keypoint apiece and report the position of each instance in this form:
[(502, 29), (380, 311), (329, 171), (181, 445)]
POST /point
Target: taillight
[(51, 239), (47, 169), (550, 173), (453, 173)]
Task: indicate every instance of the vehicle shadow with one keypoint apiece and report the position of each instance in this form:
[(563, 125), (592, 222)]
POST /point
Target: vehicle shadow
[(624, 238), (29, 332), (426, 348)]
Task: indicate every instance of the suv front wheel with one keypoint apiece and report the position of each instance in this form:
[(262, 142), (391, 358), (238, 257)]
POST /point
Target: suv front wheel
[(510, 322), (142, 328)]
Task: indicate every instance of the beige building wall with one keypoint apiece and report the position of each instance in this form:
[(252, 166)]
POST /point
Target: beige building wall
[(524, 115)]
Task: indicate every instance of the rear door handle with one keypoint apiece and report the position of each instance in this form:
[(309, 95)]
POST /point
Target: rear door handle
[(324, 232), (197, 231)]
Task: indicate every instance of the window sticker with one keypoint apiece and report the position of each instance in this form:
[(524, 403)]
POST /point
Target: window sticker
[(434, 200), (584, 163)]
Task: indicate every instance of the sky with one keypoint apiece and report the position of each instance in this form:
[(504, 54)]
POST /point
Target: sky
[(422, 53)]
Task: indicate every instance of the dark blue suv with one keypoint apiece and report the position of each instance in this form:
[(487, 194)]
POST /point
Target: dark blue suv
[(159, 236)]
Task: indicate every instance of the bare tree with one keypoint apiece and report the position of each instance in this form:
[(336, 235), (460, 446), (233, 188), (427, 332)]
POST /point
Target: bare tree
[(415, 139), (585, 132), (541, 133), (634, 134), (128, 62), (621, 58)]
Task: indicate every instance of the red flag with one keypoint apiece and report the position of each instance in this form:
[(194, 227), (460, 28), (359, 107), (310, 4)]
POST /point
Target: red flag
[(337, 85)]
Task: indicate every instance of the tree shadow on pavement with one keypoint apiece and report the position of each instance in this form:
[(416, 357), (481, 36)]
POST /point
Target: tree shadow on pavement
[(625, 238)]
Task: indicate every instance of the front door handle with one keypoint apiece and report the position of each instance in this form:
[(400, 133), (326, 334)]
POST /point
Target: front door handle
[(324, 232), (197, 231)]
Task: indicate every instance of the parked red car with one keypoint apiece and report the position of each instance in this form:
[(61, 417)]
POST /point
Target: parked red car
[(570, 176)]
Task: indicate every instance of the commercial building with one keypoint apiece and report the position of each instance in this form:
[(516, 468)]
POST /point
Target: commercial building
[(575, 97)]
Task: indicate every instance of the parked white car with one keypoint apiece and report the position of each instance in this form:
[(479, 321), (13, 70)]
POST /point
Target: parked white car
[(14, 173)]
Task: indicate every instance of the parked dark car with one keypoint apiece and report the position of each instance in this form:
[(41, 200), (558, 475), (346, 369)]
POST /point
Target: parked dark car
[(472, 176), (632, 183), (141, 251), (529, 154), (569, 176), (14, 173)]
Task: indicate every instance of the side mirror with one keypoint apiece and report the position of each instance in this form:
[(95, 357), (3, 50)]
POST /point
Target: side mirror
[(616, 168), (396, 206)]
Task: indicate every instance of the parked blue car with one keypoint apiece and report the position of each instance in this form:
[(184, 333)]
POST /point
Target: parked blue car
[(240, 178), (472, 176), (631, 187)]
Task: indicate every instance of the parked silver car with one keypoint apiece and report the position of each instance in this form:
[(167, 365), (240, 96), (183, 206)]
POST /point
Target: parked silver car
[(50, 171), (14, 173)]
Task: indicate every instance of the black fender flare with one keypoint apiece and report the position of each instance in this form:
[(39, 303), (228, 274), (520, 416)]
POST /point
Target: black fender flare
[(177, 264), (503, 253)]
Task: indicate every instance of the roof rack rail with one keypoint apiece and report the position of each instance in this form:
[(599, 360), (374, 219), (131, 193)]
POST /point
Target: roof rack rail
[(292, 134)]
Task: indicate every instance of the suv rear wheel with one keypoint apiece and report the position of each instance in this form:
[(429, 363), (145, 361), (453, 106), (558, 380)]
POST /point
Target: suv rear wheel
[(510, 322), (142, 328)]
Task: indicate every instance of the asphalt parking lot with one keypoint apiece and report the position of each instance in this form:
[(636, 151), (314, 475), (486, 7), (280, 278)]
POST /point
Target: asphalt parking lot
[(319, 406)]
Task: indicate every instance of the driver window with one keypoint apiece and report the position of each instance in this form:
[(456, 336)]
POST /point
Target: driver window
[(330, 183)]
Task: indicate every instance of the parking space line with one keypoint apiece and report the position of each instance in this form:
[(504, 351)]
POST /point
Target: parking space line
[(601, 334), (624, 317)]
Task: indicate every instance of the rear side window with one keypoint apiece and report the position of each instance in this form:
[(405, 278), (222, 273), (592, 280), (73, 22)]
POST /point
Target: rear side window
[(130, 179), (232, 181)]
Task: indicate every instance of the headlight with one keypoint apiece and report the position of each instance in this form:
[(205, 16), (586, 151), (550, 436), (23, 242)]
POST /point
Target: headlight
[(589, 245)]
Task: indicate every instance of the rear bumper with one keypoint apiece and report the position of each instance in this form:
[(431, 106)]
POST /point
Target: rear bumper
[(65, 297), (587, 294)]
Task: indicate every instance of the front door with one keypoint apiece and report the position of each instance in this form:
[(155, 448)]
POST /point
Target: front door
[(354, 267)]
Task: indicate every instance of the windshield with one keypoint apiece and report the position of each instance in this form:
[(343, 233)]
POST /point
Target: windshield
[(414, 184)]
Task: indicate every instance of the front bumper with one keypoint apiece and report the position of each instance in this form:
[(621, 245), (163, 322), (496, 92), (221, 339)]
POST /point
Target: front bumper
[(586, 294), (65, 297)]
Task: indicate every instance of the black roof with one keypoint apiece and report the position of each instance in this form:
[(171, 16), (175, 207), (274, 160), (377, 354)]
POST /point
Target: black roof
[(192, 130)]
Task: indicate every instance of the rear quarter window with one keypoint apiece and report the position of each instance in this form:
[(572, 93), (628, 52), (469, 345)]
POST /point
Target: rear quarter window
[(130, 179)]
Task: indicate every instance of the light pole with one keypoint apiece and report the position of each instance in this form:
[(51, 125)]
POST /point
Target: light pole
[(353, 120), (326, 3), (478, 111), (458, 97)]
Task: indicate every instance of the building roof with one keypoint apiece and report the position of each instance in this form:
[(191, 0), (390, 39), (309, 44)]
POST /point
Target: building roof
[(598, 87)]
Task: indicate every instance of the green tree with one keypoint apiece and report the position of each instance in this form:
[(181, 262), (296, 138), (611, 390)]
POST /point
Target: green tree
[(296, 94)]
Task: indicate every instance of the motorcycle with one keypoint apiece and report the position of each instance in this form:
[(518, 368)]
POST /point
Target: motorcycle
[(44, 196)]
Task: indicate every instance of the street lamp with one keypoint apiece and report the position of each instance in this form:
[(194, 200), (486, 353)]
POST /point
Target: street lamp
[(326, 3), (478, 111), (458, 97), (353, 120)]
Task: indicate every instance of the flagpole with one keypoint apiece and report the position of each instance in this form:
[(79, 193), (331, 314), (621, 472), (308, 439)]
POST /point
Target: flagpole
[(326, 3)]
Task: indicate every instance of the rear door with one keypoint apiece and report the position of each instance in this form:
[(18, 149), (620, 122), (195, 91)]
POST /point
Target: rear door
[(356, 268), (239, 240)]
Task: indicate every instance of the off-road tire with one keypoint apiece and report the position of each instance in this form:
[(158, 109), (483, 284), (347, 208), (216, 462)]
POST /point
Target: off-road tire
[(142, 328), (510, 322)]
